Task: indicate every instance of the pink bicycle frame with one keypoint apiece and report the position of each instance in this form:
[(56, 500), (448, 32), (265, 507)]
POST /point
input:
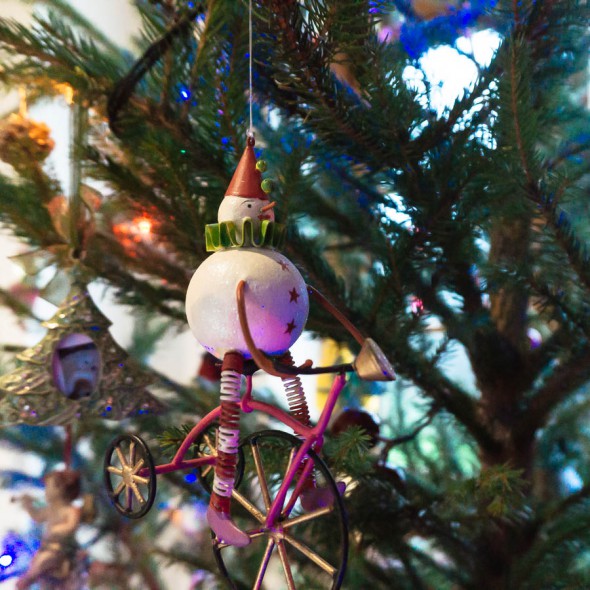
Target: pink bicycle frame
[(312, 438)]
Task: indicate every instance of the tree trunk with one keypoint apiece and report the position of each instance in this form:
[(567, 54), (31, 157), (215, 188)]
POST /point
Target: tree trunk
[(500, 363)]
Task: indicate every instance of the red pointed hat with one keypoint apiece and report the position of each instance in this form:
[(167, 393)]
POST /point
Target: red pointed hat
[(246, 180)]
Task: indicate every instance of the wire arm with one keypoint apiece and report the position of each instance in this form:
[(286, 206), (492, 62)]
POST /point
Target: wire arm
[(331, 309), (273, 366)]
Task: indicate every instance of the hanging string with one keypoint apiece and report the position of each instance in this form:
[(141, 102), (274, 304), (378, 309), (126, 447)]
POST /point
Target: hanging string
[(68, 446), (79, 131), (250, 100)]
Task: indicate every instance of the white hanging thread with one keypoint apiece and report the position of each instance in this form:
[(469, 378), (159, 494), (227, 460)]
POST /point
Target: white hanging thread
[(251, 128)]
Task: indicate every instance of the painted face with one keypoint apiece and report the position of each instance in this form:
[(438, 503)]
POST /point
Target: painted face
[(237, 208)]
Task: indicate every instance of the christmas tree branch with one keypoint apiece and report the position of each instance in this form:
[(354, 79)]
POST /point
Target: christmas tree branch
[(577, 253), (446, 394), (556, 511), (567, 377), (63, 9), (564, 311), (14, 303), (316, 95), (400, 440)]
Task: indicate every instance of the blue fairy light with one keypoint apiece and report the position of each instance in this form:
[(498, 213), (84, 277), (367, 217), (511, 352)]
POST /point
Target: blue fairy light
[(374, 7), (184, 93), (16, 552)]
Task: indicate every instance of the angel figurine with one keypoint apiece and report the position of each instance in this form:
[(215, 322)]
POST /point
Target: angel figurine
[(53, 564)]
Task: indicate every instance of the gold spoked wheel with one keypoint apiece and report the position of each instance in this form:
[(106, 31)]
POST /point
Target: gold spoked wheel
[(306, 548), (206, 446), (130, 476)]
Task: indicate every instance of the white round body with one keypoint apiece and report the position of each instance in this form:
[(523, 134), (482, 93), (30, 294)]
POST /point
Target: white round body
[(277, 303)]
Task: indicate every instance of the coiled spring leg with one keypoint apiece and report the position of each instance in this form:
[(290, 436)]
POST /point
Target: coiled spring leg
[(295, 394), (229, 432), (298, 408)]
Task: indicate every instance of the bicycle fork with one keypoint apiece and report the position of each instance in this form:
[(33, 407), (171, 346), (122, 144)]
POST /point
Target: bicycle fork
[(299, 467)]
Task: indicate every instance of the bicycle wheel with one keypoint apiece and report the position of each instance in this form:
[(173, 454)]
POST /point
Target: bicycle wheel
[(132, 494), (206, 446), (304, 550)]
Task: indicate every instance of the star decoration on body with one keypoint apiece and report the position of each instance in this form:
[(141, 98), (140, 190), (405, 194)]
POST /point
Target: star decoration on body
[(294, 295), (290, 326), (283, 265)]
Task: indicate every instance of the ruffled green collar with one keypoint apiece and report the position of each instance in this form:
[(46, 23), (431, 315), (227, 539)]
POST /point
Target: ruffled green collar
[(219, 236)]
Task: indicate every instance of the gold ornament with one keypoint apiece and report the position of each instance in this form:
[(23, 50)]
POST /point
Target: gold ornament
[(23, 140), (429, 9), (76, 370)]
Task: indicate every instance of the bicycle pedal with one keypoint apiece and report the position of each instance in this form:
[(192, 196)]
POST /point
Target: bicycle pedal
[(225, 529)]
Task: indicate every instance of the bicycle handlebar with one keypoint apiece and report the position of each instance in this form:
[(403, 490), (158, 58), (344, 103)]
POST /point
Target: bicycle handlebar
[(370, 364)]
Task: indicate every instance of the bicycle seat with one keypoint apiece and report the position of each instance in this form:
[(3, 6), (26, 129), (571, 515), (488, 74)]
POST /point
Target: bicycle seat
[(250, 367)]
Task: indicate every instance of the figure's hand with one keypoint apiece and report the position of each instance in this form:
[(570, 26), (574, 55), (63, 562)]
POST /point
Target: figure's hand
[(27, 501)]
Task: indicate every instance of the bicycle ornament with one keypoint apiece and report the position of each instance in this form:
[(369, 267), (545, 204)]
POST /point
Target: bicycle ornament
[(247, 304)]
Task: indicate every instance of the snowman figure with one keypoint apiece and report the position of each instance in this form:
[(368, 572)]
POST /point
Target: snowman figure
[(248, 299), (244, 243)]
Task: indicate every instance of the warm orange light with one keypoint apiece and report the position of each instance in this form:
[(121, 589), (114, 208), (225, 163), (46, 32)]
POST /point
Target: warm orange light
[(144, 225), (66, 91), (133, 232)]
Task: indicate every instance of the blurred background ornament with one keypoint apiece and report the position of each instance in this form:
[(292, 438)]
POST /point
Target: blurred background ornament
[(76, 370), (416, 306), (350, 417), (57, 564), (429, 9), (210, 368), (22, 140)]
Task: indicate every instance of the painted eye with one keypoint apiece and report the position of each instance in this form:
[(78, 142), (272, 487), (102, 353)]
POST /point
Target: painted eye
[(249, 205)]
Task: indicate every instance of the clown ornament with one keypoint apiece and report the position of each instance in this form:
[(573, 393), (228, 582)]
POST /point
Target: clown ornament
[(245, 244)]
